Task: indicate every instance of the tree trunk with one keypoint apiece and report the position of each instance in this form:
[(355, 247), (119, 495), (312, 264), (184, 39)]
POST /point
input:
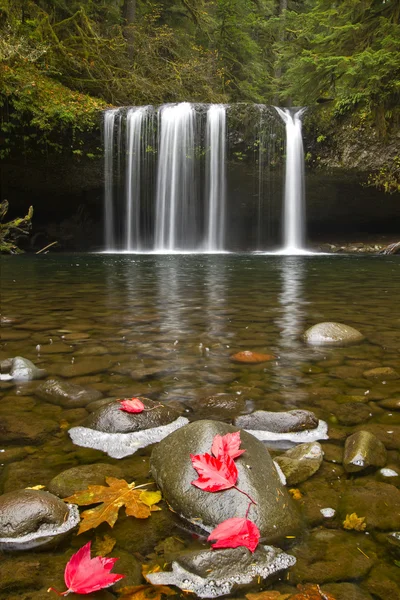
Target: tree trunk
[(129, 16), (283, 4)]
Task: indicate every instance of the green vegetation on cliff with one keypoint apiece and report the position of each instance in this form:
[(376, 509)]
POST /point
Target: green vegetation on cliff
[(61, 61)]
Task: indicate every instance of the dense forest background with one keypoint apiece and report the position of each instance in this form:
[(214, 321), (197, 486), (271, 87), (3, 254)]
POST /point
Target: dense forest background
[(64, 60)]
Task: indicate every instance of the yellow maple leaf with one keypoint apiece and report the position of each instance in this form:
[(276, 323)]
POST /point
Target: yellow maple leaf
[(354, 522), (103, 546), (36, 487), (145, 592), (296, 494), (119, 493)]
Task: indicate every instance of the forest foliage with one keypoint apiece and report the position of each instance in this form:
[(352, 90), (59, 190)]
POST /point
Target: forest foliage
[(62, 61)]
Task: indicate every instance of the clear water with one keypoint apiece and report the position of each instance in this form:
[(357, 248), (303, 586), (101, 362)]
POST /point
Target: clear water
[(174, 321)]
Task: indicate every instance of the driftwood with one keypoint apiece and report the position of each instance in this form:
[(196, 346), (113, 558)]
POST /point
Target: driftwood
[(12, 230), (392, 249)]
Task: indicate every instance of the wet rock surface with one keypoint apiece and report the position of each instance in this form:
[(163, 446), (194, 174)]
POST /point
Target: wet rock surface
[(111, 419), (23, 369), (278, 422), (301, 462), (78, 478), (23, 512), (210, 574), (332, 334), (30, 518), (363, 450), (378, 502), (66, 394), (275, 513)]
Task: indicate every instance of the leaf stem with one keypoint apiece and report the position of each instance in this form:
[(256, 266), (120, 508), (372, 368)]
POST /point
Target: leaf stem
[(246, 494)]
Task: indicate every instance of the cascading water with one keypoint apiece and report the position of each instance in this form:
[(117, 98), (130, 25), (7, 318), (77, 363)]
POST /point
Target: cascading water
[(137, 132), (109, 121), (215, 178), (294, 207), (167, 178), (175, 218)]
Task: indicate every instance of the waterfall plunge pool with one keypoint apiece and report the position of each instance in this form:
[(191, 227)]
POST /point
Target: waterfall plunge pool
[(165, 327)]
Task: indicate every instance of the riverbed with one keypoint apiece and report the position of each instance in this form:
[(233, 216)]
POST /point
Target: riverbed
[(165, 327)]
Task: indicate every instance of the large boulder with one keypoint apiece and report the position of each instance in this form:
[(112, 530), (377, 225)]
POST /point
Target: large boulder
[(332, 334), (30, 518), (66, 394), (378, 502), (275, 513)]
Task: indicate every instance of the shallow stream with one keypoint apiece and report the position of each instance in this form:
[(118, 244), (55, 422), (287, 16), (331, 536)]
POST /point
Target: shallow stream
[(165, 327)]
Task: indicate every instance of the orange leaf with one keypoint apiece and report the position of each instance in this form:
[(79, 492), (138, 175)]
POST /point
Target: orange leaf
[(296, 494), (137, 503)]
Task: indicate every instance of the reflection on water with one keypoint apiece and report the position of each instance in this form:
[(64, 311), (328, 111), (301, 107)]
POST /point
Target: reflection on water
[(291, 322)]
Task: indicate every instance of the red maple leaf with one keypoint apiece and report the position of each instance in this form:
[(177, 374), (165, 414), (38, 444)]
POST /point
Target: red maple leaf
[(227, 445), (235, 532), (215, 474), (132, 405), (84, 575)]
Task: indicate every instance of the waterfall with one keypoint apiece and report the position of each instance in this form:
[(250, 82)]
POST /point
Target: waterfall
[(215, 178), (294, 205), (170, 170), (137, 131), (109, 121), (175, 218)]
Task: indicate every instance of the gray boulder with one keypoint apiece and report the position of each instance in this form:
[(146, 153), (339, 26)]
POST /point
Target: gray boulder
[(275, 513), (332, 334), (66, 394), (30, 518), (24, 370), (120, 434), (111, 419), (213, 573), (278, 422), (361, 450), (301, 462)]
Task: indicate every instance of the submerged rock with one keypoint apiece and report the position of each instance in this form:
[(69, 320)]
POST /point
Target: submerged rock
[(381, 373), (31, 518), (352, 413), (66, 394), (275, 513), (249, 357), (21, 369), (221, 406), (291, 426), (214, 573), (119, 433), (378, 502), (332, 334), (361, 450), (78, 478), (301, 462)]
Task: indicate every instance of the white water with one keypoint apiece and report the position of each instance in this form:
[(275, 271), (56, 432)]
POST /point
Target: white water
[(135, 146), (216, 178), (109, 120), (294, 204), (175, 219)]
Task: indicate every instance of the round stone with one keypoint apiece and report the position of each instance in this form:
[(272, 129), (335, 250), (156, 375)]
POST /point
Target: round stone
[(332, 334)]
